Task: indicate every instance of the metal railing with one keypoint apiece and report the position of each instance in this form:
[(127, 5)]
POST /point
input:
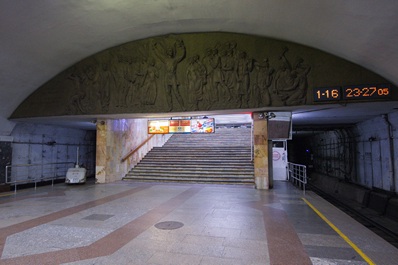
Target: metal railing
[(297, 174), (35, 173)]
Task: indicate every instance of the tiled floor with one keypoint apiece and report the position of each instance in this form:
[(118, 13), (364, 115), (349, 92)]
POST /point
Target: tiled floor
[(120, 223)]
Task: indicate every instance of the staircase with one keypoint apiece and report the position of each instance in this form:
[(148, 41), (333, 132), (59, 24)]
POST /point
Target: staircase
[(223, 157)]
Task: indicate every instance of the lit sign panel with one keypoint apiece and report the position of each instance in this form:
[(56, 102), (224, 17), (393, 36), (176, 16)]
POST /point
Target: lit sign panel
[(327, 93), (366, 92), (205, 125), (202, 125), (348, 93), (180, 126), (158, 127)]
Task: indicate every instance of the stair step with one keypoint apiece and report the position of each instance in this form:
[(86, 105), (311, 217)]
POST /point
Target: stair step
[(194, 166), (190, 173), (199, 176), (202, 158), (202, 150), (222, 157), (205, 149), (193, 179), (196, 162)]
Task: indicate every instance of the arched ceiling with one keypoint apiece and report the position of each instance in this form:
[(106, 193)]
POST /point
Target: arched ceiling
[(42, 38)]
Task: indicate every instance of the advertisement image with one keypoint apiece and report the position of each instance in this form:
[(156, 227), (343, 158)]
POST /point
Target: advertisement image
[(202, 125)]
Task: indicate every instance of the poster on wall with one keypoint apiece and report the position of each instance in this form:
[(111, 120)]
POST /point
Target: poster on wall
[(158, 127), (205, 125), (180, 126)]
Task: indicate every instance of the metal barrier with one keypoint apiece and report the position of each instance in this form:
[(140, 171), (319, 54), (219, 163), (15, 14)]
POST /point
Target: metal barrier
[(297, 174), (34, 173)]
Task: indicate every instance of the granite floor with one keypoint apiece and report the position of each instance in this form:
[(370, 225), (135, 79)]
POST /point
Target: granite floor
[(168, 223)]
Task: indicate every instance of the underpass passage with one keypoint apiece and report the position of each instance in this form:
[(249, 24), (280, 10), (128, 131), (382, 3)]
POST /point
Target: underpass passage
[(181, 223)]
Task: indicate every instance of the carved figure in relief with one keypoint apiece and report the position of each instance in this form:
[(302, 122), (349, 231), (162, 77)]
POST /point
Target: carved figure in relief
[(228, 71), (196, 78), (108, 82), (91, 82), (301, 72), (212, 62), (232, 46), (114, 75), (208, 88), (78, 104), (171, 56), (124, 72), (260, 95), (291, 83), (216, 76), (243, 68), (87, 84), (129, 81), (134, 79), (149, 87), (73, 104)]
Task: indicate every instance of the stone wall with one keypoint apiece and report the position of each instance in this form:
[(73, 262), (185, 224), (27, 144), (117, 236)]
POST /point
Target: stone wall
[(116, 139), (100, 153), (365, 154), (43, 145), (5, 157)]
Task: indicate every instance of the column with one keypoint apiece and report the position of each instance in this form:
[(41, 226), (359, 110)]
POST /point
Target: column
[(101, 152), (112, 143), (262, 154)]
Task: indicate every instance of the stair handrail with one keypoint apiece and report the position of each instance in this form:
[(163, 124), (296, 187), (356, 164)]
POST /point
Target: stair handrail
[(137, 148)]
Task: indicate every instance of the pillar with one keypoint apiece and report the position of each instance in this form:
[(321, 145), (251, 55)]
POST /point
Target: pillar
[(113, 139), (101, 152), (262, 152)]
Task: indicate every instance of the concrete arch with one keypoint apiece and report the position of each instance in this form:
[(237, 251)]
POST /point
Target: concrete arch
[(192, 72)]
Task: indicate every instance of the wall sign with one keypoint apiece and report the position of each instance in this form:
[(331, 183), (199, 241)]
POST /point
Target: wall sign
[(348, 93), (205, 125), (276, 156), (179, 126), (158, 127)]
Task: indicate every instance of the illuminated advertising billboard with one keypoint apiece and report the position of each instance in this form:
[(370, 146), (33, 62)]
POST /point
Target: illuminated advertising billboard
[(206, 125), (179, 126), (158, 127)]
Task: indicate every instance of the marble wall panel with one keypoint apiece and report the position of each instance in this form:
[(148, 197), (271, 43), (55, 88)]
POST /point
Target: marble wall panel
[(115, 140), (262, 153)]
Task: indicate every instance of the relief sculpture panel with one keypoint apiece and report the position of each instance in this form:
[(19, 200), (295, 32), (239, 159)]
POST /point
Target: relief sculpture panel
[(191, 72)]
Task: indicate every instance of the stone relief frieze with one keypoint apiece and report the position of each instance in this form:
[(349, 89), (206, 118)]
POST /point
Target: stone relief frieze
[(291, 81), (190, 72), (220, 76), (196, 77), (171, 54)]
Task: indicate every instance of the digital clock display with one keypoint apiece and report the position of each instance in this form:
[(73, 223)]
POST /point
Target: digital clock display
[(366, 92), (356, 92)]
